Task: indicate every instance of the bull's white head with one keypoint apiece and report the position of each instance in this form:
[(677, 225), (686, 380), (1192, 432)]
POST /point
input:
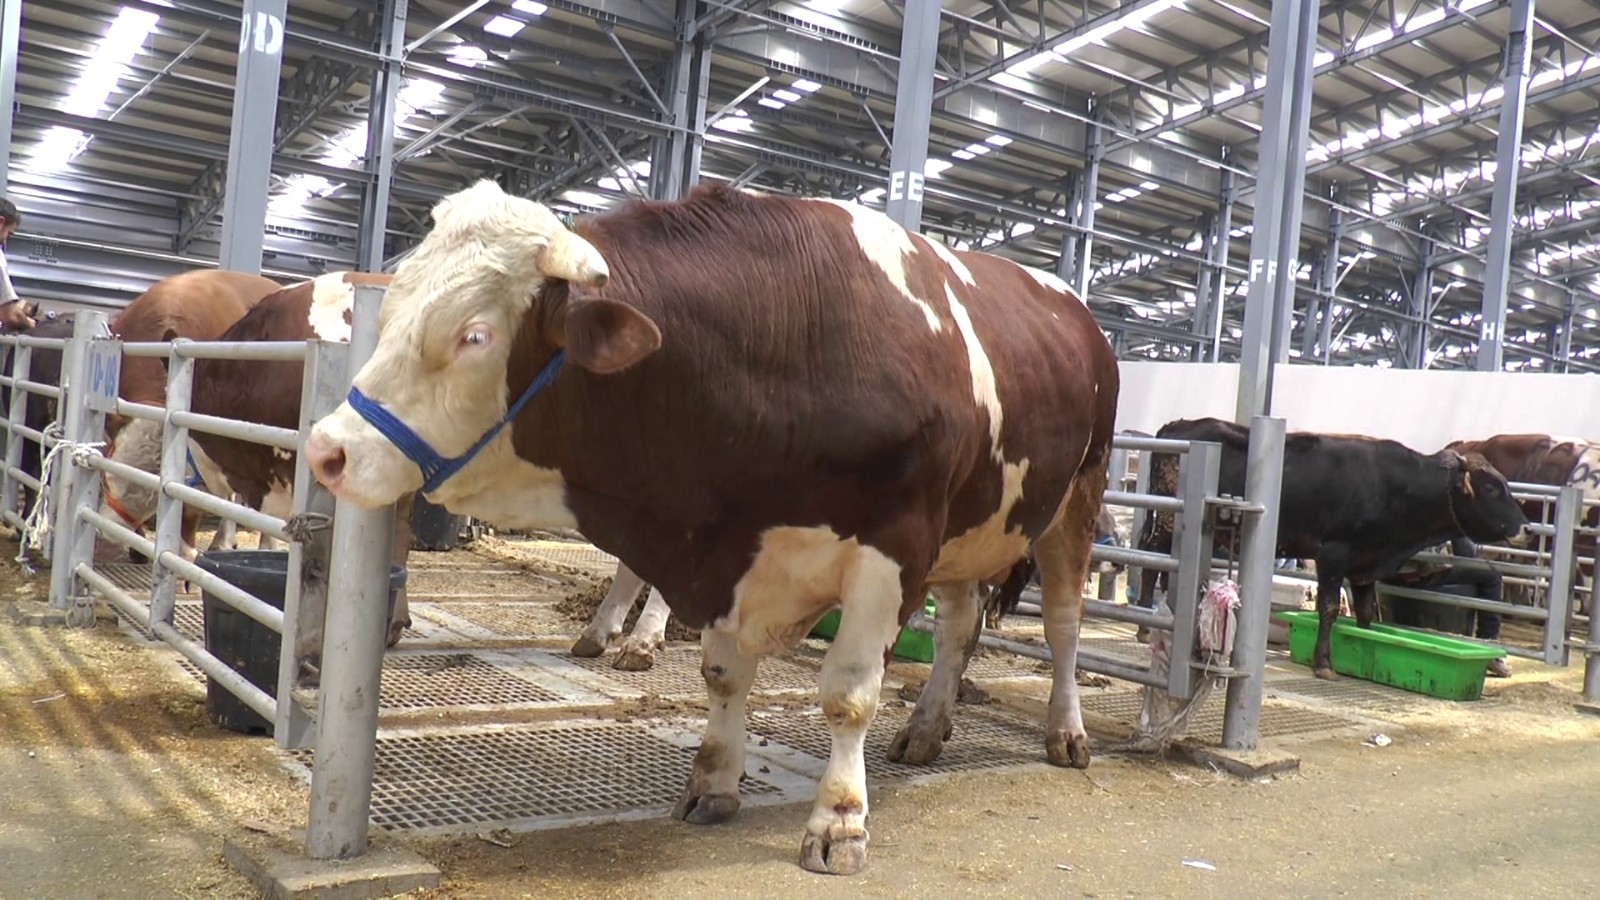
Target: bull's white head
[(448, 323)]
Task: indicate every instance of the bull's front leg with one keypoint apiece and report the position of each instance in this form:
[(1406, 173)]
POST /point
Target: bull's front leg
[(835, 841), (712, 794), (921, 739), (1364, 603), (612, 612), (1330, 576), (638, 652)]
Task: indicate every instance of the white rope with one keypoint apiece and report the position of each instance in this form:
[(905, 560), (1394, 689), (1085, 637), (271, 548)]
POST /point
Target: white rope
[(1163, 719), (37, 526)]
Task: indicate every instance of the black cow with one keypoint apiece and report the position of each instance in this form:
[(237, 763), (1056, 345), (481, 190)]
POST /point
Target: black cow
[(1359, 506)]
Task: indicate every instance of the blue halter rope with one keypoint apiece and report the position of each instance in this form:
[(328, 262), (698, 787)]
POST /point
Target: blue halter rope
[(194, 480), (436, 470)]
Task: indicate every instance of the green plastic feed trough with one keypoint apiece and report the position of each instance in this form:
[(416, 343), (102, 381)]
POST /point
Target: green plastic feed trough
[(917, 645), (1431, 664)]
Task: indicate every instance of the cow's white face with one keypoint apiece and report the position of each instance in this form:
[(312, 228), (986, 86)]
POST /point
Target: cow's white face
[(448, 322)]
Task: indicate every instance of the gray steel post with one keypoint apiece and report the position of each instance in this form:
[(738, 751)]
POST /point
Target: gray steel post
[(1563, 351), (305, 602), (1219, 255), (174, 468), (1563, 569), (1502, 206), (1083, 217), (1421, 305), (1204, 289), (1278, 182), (1192, 539), (1327, 285), (913, 110), (74, 489), (1241, 722), (352, 652), (1288, 244), (16, 413), (250, 142), (374, 220), (671, 152), (10, 38)]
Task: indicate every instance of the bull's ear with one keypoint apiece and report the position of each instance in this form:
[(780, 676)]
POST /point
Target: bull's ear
[(606, 336)]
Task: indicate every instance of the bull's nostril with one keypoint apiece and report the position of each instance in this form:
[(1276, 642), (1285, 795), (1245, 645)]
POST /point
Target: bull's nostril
[(331, 466)]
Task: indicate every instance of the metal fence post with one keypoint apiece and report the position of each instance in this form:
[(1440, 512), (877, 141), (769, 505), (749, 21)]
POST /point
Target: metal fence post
[(323, 387), (1563, 572), (73, 541), (1241, 723), (174, 470), (1141, 485), (16, 414), (353, 642), (1192, 538)]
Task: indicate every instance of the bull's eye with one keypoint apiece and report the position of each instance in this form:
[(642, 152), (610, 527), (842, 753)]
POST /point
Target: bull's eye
[(476, 336)]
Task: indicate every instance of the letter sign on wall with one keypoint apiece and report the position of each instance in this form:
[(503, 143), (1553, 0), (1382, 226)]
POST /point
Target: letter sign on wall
[(264, 34), (906, 186), (105, 370)]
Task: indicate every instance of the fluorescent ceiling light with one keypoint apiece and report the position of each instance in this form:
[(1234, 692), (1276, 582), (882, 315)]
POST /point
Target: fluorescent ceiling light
[(999, 140), (771, 103), (807, 85), (786, 95), (505, 26)]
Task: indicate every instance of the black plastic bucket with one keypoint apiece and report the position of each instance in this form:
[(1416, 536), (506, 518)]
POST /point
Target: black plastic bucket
[(242, 643), (433, 527)]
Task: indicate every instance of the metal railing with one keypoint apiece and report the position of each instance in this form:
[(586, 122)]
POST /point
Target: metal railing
[(1194, 509), (349, 634)]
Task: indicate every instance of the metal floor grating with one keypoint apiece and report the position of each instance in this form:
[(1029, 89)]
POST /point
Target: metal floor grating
[(981, 740), (676, 673), (573, 554), (514, 620), (1006, 666), (559, 773), (1363, 695), (135, 578), (428, 680), (187, 616), (1277, 719)]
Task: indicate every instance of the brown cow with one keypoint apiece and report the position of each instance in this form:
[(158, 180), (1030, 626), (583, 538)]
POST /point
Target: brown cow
[(269, 393), (1547, 459), (774, 405), (198, 305)]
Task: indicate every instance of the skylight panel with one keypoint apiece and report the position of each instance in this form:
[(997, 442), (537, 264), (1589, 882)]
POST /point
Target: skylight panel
[(93, 87), (504, 26), (529, 7)]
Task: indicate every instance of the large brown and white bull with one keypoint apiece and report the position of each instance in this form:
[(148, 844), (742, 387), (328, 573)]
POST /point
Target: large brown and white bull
[(198, 305), (764, 406), (269, 393)]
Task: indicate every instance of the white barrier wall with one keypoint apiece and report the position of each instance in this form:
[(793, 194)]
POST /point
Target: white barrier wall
[(1422, 409)]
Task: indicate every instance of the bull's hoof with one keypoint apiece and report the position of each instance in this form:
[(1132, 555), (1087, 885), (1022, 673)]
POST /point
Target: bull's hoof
[(634, 659), (587, 647), (1067, 750), (837, 856), (1325, 673), (916, 747), (397, 628), (705, 809)]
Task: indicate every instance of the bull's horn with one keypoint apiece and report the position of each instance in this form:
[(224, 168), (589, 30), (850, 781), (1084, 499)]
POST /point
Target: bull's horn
[(574, 259)]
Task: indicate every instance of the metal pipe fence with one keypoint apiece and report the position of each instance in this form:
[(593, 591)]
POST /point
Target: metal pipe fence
[(350, 663)]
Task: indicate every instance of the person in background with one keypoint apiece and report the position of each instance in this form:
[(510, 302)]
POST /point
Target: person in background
[(1485, 584), (14, 314)]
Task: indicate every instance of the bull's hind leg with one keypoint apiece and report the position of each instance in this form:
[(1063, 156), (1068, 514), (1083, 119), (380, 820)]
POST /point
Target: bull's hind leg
[(921, 739), (712, 794), (613, 611), (638, 652), (1063, 556), (852, 675)]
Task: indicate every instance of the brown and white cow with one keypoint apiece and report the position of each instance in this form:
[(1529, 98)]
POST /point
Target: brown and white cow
[(198, 305), (765, 406), (269, 393)]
